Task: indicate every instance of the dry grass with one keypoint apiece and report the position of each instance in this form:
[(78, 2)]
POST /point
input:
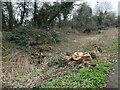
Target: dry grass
[(15, 65), (84, 41)]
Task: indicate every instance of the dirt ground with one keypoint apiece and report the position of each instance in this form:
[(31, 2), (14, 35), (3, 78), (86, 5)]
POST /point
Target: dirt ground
[(18, 71)]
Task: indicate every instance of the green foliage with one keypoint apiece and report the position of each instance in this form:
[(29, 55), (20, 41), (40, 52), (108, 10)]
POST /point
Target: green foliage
[(4, 20), (44, 36), (87, 77), (20, 35), (86, 20), (100, 27), (89, 28), (48, 13), (113, 45), (55, 36), (38, 36), (84, 15), (62, 63)]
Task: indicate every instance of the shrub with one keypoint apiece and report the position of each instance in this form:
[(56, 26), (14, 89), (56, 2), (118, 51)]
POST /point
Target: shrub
[(55, 36), (100, 27), (89, 28), (20, 35), (44, 36), (38, 36)]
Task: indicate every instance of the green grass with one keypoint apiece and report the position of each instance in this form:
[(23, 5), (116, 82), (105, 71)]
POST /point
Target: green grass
[(113, 45), (88, 77)]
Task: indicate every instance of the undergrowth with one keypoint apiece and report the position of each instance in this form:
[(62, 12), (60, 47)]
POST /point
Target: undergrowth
[(24, 36), (20, 35)]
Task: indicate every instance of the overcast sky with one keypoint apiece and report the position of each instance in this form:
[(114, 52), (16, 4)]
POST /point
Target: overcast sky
[(114, 3)]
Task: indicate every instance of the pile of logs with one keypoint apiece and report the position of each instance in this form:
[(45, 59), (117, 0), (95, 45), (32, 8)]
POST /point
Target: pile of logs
[(85, 57)]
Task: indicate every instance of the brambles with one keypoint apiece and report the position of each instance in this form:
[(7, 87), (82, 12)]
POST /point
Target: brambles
[(20, 35), (23, 36), (89, 28), (55, 36)]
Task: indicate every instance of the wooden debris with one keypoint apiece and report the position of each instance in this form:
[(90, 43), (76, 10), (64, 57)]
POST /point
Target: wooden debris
[(68, 57), (84, 57)]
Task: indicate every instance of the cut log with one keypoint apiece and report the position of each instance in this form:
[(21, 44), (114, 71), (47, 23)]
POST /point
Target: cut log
[(87, 57), (84, 57), (68, 57)]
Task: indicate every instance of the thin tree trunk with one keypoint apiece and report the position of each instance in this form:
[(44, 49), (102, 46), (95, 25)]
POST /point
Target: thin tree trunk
[(23, 13), (35, 10), (10, 12)]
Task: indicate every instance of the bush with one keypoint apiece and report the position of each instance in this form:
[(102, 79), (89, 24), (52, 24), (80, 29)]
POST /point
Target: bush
[(20, 35), (100, 27), (55, 36), (89, 28), (44, 36)]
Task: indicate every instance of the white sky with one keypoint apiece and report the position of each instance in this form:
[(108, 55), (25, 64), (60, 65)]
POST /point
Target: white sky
[(114, 4)]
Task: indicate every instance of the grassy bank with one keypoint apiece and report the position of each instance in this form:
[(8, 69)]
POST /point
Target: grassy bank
[(88, 77)]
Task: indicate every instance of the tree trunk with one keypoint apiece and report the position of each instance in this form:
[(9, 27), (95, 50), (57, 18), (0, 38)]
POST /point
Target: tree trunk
[(23, 13), (10, 12), (35, 10)]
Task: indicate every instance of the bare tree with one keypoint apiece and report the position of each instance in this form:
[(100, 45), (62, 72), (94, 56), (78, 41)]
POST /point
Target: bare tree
[(102, 7), (102, 10)]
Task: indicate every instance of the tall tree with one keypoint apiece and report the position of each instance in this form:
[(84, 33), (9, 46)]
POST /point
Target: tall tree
[(63, 6), (67, 10), (84, 15), (101, 10), (48, 13), (10, 13), (35, 12), (23, 13)]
